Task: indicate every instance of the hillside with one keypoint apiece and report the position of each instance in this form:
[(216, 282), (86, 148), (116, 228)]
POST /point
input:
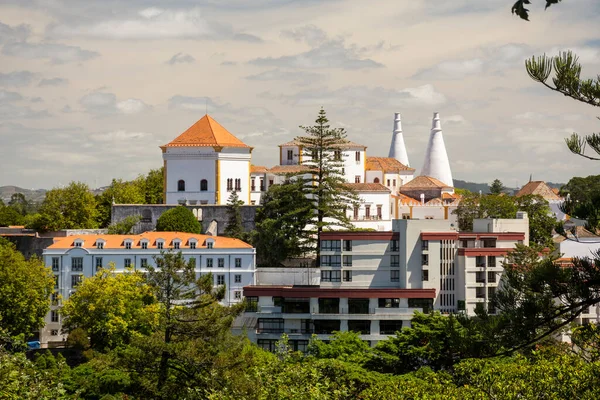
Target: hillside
[(32, 195)]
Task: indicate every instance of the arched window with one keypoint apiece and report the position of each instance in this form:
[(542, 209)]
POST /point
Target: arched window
[(376, 180), (181, 185), (203, 185)]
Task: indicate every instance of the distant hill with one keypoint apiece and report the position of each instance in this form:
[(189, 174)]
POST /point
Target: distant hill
[(485, 188), (32, 195)]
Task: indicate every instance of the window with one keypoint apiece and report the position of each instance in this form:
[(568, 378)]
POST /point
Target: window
[(326, 327), (221, 263), (480, 293), (181, 185), (356, 178), (176, 245), (355, 212), (347, 245), (491, 292), (357, 156), (203, 185), (54, 316), (331, 245), (425, 304), (347, 276), (270, 325), (77, 263), (78, 244), (358, 306), (337, 155), (55, 281), (143, 262), (253, 184), (209, 263), (54, 298), (55, 263), (290, 155), (331, 276), (394, 182), (128, 245), (238, 278), (367, 211), (267, 344), (220, 279), (192, 245), (331, 261), (209, 245), (425, 245), (262, 185), (146, 216), (394, 245), (379, 212), (395, 275), (376, 180), (388, 182), (488, 242), (491, 277), (329, 306), (390, 327), (238, 185), (99, 245), (299, 345), (394, 261), (425, 259), (76, 280), (229, 184), (127, 263), (237, 295), (54, 332), (144, 245), (292, 305), (347, 261), (98, 263), (362, 327), (491, 261), (425, 275), (251, 304), (238, 263), (389, 303)]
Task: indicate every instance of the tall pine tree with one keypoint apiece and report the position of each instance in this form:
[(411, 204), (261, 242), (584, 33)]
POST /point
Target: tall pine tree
[(234, 227), (323, 179)]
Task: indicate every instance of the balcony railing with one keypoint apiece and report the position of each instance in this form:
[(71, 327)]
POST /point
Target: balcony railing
[(367, 218)]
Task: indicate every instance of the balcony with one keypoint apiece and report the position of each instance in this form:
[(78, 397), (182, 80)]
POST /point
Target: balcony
[(367, 218)]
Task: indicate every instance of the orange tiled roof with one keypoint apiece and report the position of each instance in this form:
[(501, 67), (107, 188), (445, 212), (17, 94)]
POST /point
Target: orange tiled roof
[(118, 241), (347, 144), (539, 188), (406, 200), (368, 187), (257, 169), (205, 133), (424, 182), (386, 164), (288, 169)]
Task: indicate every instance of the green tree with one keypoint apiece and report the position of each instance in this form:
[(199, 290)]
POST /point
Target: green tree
[(497, 187), (119, 192), (324, 183), (541, 218), (474, 206), (280, 224), (10, 216), (112, 307), (178, 219), (25, 288), (154, 186), (19, 203), (234, 227), (583, 200), (344, 346), (72, 207)]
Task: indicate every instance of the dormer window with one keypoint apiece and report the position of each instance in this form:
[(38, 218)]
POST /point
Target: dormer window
[(210, 243), (128, 243), (192, 244), (99, 244), (78, 243), (144, 244), (160, 245), (177, 244)]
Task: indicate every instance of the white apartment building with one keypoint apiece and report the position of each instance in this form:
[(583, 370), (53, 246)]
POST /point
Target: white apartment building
[(372, 282), (73, 258)]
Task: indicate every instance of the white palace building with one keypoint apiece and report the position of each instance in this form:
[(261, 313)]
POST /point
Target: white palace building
[(206, 163)]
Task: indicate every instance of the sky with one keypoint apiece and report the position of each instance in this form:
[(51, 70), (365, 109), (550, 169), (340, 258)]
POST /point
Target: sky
[(89, 90)]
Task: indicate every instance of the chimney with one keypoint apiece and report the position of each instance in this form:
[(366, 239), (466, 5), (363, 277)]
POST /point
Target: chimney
[(436, 163), (398, 149), (422, 199)]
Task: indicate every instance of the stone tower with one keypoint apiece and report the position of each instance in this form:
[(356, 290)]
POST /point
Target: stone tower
[(398, 149), (436, 163)]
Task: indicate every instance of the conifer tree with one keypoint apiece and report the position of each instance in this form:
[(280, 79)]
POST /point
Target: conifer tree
[(234, 227), (323, 179), (497, 187)]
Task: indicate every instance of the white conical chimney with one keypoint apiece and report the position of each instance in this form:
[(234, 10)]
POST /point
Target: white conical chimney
[(398, 149), (436, 163)]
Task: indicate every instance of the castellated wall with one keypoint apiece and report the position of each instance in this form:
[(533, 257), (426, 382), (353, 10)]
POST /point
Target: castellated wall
[(206, 214)]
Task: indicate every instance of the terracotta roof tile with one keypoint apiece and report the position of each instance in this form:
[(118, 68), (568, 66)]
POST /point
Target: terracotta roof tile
[(368, 187), (257, 169), (118, 241), (288, 169), (206, 132), (386, 164), (424, 182), (347, 144), (406, 200), (538, 188)]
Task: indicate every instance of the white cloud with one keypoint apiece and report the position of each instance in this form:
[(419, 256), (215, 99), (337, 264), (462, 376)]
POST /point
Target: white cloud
[(102, 103), (131, 106), (53, 82), (8, 97), (310, 34), (56, 53), (181, 58), (11, 34), (16, 78), (454, 69), (282, 75)]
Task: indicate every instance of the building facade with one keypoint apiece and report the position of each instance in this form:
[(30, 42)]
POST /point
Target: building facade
[(73, 258)]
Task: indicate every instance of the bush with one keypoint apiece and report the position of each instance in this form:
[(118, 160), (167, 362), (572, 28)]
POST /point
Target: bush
[(178, 219)]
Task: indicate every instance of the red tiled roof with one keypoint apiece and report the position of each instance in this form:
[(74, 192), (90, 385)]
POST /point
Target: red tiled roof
[(368, 187), (288, 169), (206, 132), (424, 182), (386, 164), (257, 169), (406, 200), (118, 241), (347, 144), (539, 188)]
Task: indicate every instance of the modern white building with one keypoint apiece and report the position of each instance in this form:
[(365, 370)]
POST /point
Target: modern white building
[(73, 258), (205, 165), (372, 282)]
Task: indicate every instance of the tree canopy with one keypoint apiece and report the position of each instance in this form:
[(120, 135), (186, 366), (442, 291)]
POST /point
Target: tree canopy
[(497, 187), (178, 219), (25, 288), (234, 227)]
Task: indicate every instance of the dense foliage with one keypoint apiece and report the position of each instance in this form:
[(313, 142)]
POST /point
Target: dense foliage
[(178, 219)]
